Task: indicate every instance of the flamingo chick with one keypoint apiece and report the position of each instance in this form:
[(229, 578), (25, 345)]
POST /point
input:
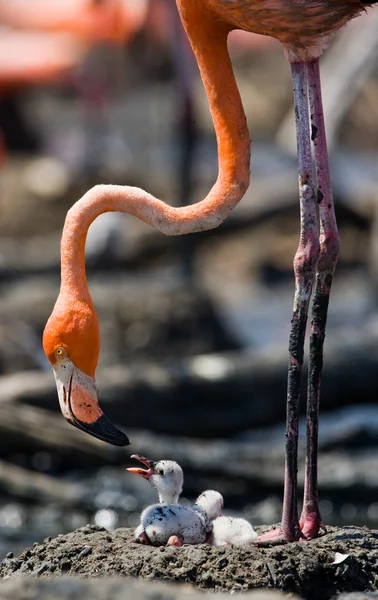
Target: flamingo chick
[(232, 531), (169, 522), (227, 531)]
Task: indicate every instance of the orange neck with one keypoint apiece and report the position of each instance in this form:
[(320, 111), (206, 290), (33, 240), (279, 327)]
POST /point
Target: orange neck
[(208, 37)]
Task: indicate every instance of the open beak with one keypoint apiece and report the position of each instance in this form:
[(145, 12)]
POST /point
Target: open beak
[(145, 473), (79, 404)]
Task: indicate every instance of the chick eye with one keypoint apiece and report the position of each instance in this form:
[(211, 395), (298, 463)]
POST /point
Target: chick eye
[(160, 472), (60, 352)]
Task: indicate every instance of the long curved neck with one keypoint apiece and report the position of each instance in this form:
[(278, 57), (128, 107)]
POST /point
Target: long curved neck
[(208, 37)]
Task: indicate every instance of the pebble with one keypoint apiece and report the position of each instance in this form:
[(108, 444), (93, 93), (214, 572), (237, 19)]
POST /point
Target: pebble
[(87, 550), (43, 567), (223, 562), (10, 555)]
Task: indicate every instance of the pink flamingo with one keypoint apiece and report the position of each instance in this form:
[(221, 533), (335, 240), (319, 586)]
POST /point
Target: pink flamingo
[(71, 337)]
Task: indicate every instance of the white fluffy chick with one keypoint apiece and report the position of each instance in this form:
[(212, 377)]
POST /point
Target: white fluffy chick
[(227, 531)]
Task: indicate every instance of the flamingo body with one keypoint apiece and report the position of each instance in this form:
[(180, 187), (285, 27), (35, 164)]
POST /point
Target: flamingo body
[(302, 26), (299, 25)]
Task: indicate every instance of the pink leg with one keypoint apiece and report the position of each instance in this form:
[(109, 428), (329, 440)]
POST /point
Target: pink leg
[(176, 540), (305, 262), (310, 520)]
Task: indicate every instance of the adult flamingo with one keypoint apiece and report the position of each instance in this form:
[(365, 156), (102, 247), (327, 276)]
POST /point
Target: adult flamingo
[(71, 337)]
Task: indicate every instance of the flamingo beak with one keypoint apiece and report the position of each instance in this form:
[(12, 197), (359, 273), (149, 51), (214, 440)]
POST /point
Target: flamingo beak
[(79, 405), (145, 473)]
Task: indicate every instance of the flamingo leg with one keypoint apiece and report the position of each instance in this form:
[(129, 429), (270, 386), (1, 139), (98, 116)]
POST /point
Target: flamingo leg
[(305, 263), (310, 520)]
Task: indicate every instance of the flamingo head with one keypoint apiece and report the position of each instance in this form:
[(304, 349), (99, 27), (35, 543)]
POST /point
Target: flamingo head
[(71, 342)]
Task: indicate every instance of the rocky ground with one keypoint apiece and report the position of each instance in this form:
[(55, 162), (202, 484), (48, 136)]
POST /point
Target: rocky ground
[(344, 560)]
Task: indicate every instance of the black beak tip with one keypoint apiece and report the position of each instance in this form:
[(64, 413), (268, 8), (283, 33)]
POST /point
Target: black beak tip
[(118, 439), (104, 430)]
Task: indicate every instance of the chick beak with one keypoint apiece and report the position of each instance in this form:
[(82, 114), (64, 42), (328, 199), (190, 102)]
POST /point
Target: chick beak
[(145, 473)]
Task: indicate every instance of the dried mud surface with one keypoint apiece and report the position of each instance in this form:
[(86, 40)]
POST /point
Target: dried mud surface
[(305, 569)]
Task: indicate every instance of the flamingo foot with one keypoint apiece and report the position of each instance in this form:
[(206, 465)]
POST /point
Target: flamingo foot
[(277, 536), (176, 540), (311, 525)]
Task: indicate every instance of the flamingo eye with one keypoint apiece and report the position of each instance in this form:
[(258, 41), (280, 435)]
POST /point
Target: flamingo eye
[(60, 352), (160, 472)]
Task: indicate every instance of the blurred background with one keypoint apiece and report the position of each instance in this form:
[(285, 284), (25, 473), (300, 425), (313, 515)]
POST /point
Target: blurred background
[(195, 330)]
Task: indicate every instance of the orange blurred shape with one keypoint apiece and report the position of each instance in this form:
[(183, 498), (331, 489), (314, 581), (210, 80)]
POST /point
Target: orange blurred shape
[(90, 20), (28, 58)]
